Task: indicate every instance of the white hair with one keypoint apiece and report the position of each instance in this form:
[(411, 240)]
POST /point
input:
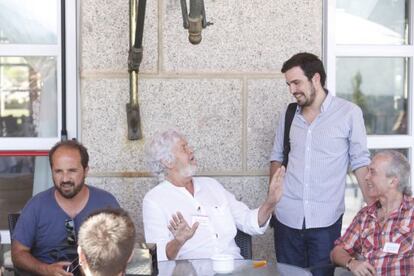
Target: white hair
[(159, 150), (398, 167)]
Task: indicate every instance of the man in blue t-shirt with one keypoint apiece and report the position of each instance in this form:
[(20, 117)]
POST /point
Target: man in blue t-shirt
[(44, 239)]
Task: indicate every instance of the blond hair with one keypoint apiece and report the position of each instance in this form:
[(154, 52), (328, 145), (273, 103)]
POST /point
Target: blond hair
[(107, 239)]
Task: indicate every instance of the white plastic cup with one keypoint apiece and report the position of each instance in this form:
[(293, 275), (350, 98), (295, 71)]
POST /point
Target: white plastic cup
[(223, 263)]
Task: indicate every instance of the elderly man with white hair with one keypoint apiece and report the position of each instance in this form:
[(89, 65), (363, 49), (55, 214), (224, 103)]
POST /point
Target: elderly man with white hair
[(380, 240), (196, 217)]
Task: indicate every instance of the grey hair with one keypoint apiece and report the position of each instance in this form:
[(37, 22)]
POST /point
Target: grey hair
[(159, 150), (398, 167)]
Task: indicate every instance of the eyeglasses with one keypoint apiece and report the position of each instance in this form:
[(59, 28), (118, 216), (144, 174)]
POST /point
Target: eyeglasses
[(73, 265), (70, 231)]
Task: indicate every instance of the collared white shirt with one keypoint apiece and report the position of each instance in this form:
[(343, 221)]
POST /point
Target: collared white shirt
[(320, 154), (215, 235)]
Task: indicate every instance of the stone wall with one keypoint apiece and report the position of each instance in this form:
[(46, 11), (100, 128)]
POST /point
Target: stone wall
[(225, 93)]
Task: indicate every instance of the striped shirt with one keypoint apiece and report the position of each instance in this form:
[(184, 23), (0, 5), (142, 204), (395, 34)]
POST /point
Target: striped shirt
[(321, 152), (366, 237)]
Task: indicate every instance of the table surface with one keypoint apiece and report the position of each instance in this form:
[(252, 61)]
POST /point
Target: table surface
[(204, 267)]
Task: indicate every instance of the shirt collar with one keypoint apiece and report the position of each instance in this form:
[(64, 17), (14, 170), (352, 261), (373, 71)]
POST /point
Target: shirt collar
[(405, 204), (183, 189), (372, 209), (327, 102)]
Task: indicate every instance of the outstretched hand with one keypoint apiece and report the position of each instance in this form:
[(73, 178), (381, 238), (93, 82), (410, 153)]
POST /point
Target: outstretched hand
[(276, 186), (180, 229)]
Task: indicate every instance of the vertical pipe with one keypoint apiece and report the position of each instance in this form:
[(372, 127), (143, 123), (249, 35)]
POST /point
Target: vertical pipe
[(63, 132), (184, 13), (133, 75), (195, 8), (140, 19), (134, 60)]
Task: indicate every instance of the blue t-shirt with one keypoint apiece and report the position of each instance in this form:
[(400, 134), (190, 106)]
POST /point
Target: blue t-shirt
[(41, 225)]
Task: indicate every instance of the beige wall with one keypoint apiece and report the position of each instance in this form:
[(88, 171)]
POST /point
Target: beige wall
[(225, 93)]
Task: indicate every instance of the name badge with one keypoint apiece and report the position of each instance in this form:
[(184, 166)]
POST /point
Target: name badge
[(203, 220), (391, 247)]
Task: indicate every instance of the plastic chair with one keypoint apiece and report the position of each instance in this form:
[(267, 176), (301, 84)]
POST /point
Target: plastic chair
[(244, 241)]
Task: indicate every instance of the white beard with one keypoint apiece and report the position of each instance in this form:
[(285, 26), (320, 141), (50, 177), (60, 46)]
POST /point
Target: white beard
[(188, 171)]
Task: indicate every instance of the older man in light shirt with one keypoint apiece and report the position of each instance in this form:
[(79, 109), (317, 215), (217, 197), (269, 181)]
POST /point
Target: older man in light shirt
[(195, 217)]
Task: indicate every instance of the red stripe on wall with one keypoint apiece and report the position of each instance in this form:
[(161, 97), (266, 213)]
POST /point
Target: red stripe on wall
[(24, 153)]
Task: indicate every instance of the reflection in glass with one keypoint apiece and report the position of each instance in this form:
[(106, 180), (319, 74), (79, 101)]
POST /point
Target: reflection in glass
[(353, 195), (28, 21), (21, 177), (28, 100), (372, 22), (16, 184), (379, 87)]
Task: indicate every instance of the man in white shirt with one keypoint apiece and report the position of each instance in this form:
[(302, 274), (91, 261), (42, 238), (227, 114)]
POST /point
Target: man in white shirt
[(195, 217)]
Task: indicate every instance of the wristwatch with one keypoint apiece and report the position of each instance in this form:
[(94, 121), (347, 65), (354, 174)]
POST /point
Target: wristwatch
[(348, 263)]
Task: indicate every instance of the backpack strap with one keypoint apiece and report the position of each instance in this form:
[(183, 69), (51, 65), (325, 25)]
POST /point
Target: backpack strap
[(290, 114)]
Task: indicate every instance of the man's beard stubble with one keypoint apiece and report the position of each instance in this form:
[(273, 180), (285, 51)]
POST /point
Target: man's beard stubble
[(72, 193)]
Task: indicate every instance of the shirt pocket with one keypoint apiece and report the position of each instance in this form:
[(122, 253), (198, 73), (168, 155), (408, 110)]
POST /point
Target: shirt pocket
[(334, 139), (404, 237), (222, 219)]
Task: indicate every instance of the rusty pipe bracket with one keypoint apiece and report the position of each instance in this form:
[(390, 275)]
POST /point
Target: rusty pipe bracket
[(195, 22), (134, 122), (194, 29), (134, 59)]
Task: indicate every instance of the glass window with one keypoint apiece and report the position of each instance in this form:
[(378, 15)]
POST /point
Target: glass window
[(28, 21), (379, 86), (16, 185), (372, 22), (31, 95), (369, 57), (31, 74), (28, 98)]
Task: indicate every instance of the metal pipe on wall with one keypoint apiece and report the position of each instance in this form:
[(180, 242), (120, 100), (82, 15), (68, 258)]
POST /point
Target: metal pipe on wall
[(63, 131), (136, 29), (196, 21)]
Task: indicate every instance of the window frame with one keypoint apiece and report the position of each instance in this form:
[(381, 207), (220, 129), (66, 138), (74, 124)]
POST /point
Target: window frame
[(331, 51), (72, 79), (39, 146)]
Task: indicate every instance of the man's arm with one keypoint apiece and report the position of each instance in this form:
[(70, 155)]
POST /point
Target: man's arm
[(172, 249), (274, 165), (360, 174), (23, 259), (274, 194), (358, 151), (342, 258), (182, 232)]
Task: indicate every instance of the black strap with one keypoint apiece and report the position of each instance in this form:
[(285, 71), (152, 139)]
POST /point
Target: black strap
[(290, 114)]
